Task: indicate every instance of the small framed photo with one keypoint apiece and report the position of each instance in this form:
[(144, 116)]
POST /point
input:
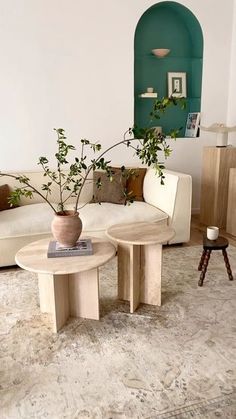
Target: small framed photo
[(192, 124), (177, 85)]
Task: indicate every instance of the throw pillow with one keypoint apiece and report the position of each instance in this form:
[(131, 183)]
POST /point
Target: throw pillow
[(134, 185), (109, 191), (4, 195)]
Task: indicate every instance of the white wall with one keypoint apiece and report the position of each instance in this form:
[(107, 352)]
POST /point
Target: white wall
[(69, 63), (232, 96)]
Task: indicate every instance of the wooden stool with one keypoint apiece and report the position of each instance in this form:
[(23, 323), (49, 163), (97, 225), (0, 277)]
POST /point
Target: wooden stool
[(208, 245)]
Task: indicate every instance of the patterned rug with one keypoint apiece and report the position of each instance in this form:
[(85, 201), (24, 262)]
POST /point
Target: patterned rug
[(174, 361)]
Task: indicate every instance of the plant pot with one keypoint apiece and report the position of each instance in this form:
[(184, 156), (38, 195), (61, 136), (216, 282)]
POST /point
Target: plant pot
[(66, 228)]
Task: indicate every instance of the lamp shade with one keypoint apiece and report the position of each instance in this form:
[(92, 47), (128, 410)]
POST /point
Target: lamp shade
[(221, 131)]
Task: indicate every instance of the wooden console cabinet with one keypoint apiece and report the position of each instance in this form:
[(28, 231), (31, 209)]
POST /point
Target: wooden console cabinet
[(216, 163), (231, 211)]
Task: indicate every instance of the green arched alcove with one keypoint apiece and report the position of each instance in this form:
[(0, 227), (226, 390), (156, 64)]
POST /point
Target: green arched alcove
[(167, 25)]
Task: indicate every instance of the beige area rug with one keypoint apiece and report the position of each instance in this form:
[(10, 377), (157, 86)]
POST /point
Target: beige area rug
[(176, 361)]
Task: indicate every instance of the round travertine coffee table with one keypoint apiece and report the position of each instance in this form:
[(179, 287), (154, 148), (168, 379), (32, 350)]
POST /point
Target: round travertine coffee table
[(67, 285), (140, 260)]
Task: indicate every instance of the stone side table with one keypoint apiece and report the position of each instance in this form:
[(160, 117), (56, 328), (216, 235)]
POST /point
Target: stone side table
[(140, 261), (68, 286)]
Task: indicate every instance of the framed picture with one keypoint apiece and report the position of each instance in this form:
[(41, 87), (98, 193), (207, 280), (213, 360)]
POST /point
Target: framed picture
[(192, 124), (177, 85)]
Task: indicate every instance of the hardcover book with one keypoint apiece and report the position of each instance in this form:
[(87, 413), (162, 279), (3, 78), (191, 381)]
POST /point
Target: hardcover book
[(83, 247)]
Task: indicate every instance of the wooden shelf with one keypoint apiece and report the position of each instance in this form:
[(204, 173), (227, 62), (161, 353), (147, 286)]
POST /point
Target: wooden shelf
[(154, 96)]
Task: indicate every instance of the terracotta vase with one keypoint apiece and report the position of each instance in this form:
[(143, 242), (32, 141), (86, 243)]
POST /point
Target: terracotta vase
[(66, 228)]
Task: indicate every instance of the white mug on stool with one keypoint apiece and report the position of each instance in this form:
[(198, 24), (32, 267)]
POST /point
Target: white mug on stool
[(212, 232)]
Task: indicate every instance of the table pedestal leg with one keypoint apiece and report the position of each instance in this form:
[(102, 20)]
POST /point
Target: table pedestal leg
[(54, 298), (134, 277), (129, 274), (123, 252), (74, 294), (84, 294), (151, 269), (139, 274)]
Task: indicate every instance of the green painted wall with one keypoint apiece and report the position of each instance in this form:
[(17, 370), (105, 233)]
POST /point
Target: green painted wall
[(167, 25)]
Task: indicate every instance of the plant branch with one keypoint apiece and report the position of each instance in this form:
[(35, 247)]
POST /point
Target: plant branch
[(147, 147), (30, 186)]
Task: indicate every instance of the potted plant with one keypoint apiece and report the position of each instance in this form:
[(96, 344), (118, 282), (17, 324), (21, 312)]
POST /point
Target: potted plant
[(70, 178)]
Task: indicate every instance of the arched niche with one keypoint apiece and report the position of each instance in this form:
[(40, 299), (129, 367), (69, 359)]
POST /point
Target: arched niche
[(167, 25)]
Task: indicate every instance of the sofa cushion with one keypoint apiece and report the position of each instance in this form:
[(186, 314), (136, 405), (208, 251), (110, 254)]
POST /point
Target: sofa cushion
[(134, 184), (97, 217), (109, 191), (4, 195), (26, 220), (35, 219)]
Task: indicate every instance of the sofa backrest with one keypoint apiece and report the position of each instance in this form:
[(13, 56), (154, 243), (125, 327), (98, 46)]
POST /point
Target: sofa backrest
[(159, 195), (174, 198), (37, 179)]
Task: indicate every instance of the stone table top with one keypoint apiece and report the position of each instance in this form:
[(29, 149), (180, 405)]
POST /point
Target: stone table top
[(33, 257), (140, 233)]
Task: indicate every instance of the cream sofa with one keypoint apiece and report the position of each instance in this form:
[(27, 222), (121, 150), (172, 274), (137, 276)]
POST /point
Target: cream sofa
[(169, 204)]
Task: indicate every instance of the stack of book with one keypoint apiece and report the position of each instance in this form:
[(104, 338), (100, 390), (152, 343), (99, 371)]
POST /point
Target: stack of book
[(83, 247)]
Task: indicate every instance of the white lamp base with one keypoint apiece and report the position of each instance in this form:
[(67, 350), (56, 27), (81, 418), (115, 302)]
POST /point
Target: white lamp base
[(222, 139)]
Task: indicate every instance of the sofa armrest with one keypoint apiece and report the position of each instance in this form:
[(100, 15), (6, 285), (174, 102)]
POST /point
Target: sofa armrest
[(174, 198)]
